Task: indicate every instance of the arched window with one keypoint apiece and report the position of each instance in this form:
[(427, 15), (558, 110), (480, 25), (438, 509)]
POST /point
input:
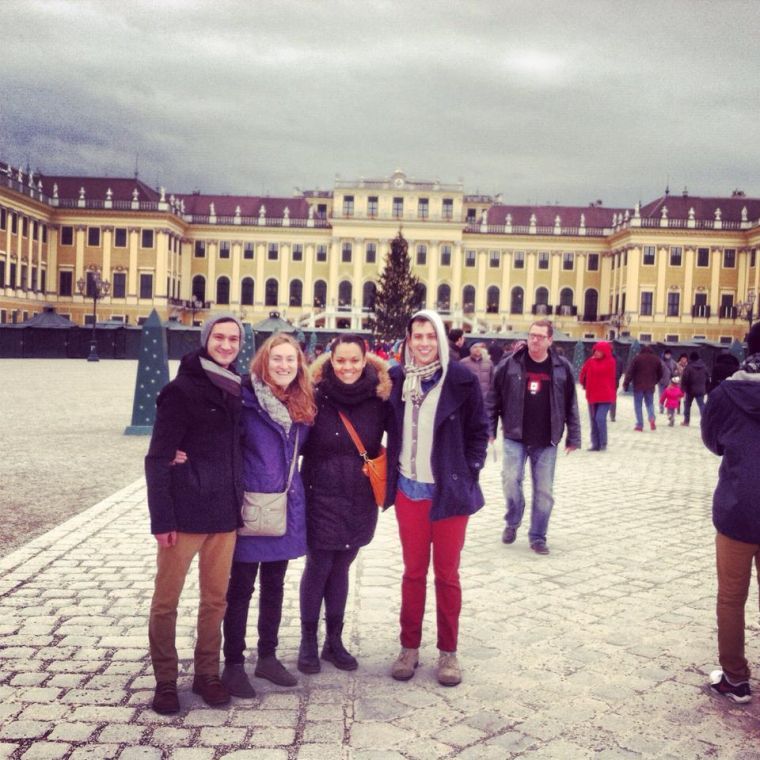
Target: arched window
[(369, 293), (468, 299), (517, 300), (590, 305), (296, 293), (320, 294), (492, 300), (199, 288), (420, 296), (223, 290), (542, 297), (344, 296), (246, 291), (444, 298), (566, 297), (271, 292)]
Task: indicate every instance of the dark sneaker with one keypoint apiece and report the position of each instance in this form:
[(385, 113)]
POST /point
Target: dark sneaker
[(212, 690), (740, 693), (165, 699), (509, 535), (236, 680), (273, 670), (539, 547)]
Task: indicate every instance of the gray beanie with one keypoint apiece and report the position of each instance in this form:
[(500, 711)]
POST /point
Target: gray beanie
[(220, 316)]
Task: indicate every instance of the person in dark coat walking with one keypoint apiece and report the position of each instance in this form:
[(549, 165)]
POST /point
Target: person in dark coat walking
[(341, 506), (480, 364), (278, 408), (436, 448), (694, 382), (731, 429), (644, 373), (194, 507)]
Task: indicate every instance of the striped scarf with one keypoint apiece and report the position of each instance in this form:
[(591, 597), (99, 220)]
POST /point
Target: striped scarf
[(222, 378), (414, 375)]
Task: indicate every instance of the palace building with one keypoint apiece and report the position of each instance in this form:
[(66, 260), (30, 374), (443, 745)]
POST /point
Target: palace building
[(678, 268)]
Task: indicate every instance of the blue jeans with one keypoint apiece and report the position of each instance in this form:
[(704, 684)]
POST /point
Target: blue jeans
[(598, 415), (647, 397), (542, 461), (700, 399)]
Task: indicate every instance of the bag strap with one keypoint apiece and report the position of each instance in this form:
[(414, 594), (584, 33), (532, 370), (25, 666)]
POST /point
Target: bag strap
[(293, 461), (354, 436)]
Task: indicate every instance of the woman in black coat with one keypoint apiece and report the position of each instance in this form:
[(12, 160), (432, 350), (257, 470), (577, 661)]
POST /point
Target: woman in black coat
[(341, 510)]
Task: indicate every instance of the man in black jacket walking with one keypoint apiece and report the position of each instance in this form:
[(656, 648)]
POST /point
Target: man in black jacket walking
[(195, 505), (694, 382)]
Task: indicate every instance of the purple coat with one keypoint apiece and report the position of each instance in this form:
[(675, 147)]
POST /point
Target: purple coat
[(267, 454)]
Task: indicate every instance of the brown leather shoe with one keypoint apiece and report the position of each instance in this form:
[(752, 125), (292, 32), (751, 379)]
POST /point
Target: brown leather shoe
[(212, 690), (165, 699)]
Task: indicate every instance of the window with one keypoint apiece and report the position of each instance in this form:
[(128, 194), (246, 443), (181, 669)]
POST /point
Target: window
[(224, 249), (370, 253), (645, 337), (725, 340), (649, 255), (200, 249), (44, 233), (273, 252), (320, 294), (469, 258), (518, 261), (67, 235), (542, 300), (246, 291), (676, 255), (494, 259), (703, 257), (674, 303), (421, 255), (445, 255), (492, 300), (296, 293), (565, 298), (646, 303), (369, 294), (248, 251), (223, 290), (120, 237), (146, 285), (727, 306), (348, 205), (2, 273), (13, 271), (590, 305), (346, 253), (270, 292), (147, 239), (43, 280), (65, 282), (543, 260), (448, 209), (344, 296), (199, 288), (729, 258), (24, 226), (516, 301), (593, 262), (297, 252), (119, 288), (93, 236), (471, 215), (321, 253), (420, 297), (444, 298), (398, 208), (372, 205), (752, 257), (468, 299), (423, 208), (35, 230), (3, 218), (567, 261), (321, 211)]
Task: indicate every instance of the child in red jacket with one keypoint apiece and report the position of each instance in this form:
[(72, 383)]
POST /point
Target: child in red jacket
[(671, 398)]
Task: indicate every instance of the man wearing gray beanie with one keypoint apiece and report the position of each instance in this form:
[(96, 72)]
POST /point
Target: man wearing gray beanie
[(731, 429), (194, 504)]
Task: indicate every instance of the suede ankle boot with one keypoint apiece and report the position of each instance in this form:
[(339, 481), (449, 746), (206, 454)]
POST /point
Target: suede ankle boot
[(333, 651), (308, 653)]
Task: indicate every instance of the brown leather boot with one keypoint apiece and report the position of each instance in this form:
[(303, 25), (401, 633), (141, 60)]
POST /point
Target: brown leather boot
[(165, 699), (212, 690)]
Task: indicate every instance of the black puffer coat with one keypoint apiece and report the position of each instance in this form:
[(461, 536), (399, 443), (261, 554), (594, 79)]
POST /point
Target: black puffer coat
[(341, 512)]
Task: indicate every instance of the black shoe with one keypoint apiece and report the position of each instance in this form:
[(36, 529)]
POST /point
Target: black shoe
[(539, 547), (739, 693), (212, 690), (165, 699), (509, 535), (308, 652), (593, 448), (333, 651), (273, 670), (236, 680)]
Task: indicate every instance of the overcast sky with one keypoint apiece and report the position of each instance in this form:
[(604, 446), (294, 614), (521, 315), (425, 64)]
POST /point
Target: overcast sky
[(557, 101)]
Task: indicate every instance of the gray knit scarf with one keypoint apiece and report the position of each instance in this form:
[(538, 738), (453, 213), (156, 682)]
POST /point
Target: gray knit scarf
[(751, 364), (276, 410), (414, 375)]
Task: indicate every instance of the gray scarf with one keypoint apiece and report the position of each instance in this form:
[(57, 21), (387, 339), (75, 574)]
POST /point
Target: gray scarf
[(413, 377), (276, 410)]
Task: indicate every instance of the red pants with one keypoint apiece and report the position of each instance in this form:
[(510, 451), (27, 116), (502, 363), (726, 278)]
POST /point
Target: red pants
[(418, 533)]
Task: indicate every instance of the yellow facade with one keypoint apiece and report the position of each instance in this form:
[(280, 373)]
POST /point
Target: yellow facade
[(664, 275)]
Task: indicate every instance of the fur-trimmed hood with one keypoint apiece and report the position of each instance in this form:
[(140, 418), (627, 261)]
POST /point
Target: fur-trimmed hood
[(316, 371)]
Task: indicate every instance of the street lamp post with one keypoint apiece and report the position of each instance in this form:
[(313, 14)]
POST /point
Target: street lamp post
[(96, 288), (617, 321), (746, 309)]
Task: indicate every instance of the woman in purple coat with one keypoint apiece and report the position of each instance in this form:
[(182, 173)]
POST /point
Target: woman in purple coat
[(278, 402)]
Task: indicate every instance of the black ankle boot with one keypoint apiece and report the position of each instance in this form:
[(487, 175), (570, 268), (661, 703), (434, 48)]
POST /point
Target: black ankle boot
[(308, 653), (333, 651)]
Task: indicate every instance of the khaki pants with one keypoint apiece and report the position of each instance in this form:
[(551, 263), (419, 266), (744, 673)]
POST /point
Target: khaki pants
[(734, 561), (215, 558)]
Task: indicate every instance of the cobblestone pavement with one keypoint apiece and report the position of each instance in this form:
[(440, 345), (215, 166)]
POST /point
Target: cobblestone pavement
[(599, 650)]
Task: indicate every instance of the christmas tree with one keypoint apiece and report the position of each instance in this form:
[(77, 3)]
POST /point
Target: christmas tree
[(397, 296)]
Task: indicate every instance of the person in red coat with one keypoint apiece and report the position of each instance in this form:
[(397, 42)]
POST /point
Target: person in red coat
[(598, 379)]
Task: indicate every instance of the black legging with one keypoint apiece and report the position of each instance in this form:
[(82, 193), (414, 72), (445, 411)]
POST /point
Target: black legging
[(271, 592), (325, 577)]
